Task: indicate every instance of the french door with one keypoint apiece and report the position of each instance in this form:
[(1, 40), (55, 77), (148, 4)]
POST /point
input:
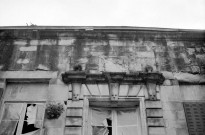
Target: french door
[(114, 121)]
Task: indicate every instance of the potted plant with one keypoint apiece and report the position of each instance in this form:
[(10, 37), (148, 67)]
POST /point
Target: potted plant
[(54, 110)]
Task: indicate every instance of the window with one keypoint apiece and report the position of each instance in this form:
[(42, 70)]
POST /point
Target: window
[(195, 116), (114, 121), (22, 119)]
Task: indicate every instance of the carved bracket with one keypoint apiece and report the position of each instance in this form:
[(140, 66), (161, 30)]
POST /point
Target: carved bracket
[(76, 91), (114, 91), (151, 80), (114, 80), (75, 79), (151, 89)]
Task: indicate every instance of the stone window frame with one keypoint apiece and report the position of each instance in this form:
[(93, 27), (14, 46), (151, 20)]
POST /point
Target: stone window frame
[(19, 126), (18, 77), (126, 104)]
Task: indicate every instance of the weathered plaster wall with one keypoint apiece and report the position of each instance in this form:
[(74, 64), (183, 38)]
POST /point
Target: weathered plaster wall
[(23, 92), (193, 92), (102, 50), (172, 98), (174, 53)]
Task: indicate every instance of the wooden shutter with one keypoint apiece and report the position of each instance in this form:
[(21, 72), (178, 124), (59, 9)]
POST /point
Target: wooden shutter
[(195, 116)]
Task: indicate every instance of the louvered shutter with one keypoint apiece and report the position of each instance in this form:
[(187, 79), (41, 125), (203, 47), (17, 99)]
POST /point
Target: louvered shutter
[(195, 116)]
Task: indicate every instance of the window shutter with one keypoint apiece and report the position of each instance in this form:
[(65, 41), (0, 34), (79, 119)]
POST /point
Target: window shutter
[(195, 116)]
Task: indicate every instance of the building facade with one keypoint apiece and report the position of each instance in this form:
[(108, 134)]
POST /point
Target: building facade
[(58, 80)]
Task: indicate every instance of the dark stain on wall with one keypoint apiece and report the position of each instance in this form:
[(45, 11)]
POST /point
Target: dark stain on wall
[(78, 47), (47, 57), (114, 44), (6, 49)]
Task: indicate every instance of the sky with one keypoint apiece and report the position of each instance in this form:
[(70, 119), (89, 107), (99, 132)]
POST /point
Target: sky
[(184, 14)]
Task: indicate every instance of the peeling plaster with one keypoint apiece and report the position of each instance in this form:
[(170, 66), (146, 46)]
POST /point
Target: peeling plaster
[(124, 50), (20, 42), (22, 61), (66, 41), (34, 42), (28, 49)]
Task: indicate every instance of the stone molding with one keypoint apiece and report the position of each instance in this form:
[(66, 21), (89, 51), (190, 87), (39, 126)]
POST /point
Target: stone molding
[(112, 77), (171, 78)]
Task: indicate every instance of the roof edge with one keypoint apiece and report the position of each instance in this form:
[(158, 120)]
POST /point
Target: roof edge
[(131, 28)]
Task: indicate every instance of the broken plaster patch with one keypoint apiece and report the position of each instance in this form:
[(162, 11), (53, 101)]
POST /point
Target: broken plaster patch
[(20, 42), (171, 43), (66, 41), (86, 49), (23, 61), (42, 67), (145, 54), (112, 66), (34, 42), (83, 60), (168, 75), (28, 49), (96, 53), (95, 43), (187, 77), (47, 42), (191, 51)]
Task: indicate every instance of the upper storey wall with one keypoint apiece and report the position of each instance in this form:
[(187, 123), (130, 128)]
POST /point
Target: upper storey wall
[(103, 50)]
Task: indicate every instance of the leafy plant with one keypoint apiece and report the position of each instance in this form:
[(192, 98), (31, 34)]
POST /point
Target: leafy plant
[(54, 110)]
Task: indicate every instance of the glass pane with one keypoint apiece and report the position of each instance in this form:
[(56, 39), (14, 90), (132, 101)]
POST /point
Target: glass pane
[(128, 117), (8, 127), (29, 128), (12, 111), (100, 117), (40, 111), (38, 124), (100, 131), (36, 132), (31, 112), (131, 130), (31, 122)]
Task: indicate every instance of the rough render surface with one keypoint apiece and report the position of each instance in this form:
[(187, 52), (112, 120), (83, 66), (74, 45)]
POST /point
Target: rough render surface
[(169, 52), (172, 104), (102, 50)]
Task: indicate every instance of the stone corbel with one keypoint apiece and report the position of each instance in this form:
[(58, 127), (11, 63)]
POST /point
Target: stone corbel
[(75, 78), (151, 81), (151, 89), (114, 91), (114, 80), (76, 90)]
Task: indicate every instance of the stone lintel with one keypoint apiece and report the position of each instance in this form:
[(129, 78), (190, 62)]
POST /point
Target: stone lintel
[(108, 77)]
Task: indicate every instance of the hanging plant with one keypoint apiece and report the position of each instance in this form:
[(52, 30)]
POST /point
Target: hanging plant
[(54, 110)]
